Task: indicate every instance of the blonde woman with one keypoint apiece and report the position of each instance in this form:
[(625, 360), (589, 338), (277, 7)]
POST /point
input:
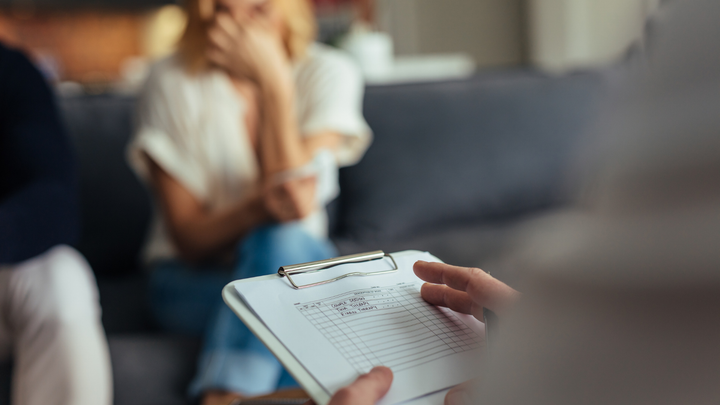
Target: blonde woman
[(240, 135)]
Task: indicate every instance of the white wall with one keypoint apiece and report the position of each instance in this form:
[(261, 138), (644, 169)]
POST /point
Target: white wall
[(569, 34), (556, 35), (492, 31)]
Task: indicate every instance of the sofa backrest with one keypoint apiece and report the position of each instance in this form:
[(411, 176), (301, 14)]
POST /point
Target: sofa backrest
[(471, 151), (464, 152), (115, 207)]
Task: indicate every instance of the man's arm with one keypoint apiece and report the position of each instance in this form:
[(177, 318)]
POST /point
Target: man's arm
[(38, 201)]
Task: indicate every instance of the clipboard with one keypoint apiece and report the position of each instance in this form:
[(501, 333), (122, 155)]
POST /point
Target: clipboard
[(261, 331)]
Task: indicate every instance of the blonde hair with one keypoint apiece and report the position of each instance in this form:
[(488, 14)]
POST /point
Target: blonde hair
[(297, 16)]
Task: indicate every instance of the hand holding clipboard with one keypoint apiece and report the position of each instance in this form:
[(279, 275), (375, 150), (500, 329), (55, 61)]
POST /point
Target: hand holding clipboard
[(330, 334), (462, 294)]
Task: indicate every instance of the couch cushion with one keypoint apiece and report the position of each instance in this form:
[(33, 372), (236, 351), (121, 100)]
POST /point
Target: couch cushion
[(152, 370), (115, 206), (125, 304), (471, 151)]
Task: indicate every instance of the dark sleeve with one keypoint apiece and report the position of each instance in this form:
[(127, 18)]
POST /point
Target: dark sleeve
[(38, 201)]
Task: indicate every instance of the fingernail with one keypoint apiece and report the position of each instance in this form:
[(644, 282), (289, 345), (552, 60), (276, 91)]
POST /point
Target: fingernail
[(457, 397)]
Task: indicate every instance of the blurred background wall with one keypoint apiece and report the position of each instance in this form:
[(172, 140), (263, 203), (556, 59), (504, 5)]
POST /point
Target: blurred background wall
[(491, 31), (91, 44), (112, 41), (75, 45), (567, 34)]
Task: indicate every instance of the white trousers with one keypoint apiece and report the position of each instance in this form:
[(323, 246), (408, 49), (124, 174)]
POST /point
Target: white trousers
[(50, 325)]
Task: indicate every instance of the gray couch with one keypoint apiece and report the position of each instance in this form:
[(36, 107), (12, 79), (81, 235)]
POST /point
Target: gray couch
[(455, 167)]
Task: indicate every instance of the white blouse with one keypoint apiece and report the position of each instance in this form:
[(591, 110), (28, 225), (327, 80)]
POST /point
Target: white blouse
[(192, 126)]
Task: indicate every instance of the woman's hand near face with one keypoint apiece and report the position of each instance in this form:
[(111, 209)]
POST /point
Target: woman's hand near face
[(249, 47)]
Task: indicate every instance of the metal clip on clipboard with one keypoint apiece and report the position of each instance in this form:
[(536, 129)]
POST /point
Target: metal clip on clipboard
[(287, 271)]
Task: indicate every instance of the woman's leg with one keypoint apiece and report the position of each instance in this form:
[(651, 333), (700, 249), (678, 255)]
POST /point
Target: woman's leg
[(233, 359), (184, 298)]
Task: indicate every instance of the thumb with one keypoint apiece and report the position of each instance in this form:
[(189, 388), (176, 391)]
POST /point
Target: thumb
[(461, 394), (366, 390)]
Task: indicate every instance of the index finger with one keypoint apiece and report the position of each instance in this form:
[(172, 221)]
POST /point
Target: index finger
[(483, 289), (228, 24)]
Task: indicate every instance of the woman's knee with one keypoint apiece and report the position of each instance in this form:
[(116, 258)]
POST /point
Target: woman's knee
[(272, 246), (276, 234), (279, 238)]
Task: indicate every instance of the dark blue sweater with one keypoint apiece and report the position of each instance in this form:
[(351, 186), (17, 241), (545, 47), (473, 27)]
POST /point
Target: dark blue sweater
[(38, 201)]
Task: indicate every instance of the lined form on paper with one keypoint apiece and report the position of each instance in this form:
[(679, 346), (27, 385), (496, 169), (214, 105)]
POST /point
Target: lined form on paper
[(340, 330), (389, 326)]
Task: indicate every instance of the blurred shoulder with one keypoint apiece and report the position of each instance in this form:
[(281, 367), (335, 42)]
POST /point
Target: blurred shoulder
[(16, 68), (167, 74), (10, 57), (325, 62), (22, 85)]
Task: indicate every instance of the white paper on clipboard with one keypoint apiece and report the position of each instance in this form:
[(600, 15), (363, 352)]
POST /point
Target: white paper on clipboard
[(326, 336)]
